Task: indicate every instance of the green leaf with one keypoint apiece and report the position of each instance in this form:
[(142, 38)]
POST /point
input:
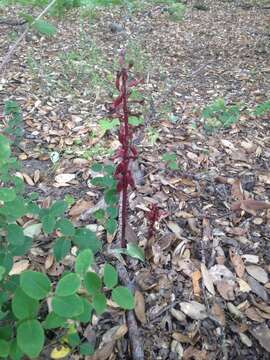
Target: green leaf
[(15, 235), (24, 307), (135, 251), (169, 157), (61, 248), (68, 306), (112, 211), (4, 148), (6, 260), (44, 27), (97, 167), (92, 283), (83, 261), (48, 223), (123, 297), (99, 214), (7, 194), (35, 284), (30, 337), (86, 239), (53, 321), (15, 352), (66, 227), (111, 197), (99, 303), (4, 348), (68, 285), (58, 208), (2, 272), (73, 339), (135, 121), (109, 169), (110, 276), (86, 315), (106, 124), (173, 165), (111, 226), (19, 250), (86, 349)]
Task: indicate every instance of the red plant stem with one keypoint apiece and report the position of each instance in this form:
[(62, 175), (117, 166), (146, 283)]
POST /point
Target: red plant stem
[(125, 158)]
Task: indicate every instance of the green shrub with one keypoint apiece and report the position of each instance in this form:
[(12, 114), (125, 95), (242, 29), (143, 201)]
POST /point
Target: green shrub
[(218, 115), (25, 318)]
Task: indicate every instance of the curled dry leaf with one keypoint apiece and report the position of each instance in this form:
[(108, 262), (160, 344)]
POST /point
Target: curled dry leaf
[(257, 273), (237, 190), (140, 307), (207, 279), (196, 277), (18, 267), (146, 280), (194, 310), (29, 181), (237, 262)]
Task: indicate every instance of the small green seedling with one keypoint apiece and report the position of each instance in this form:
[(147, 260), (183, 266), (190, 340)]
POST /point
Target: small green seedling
[(171, 161)]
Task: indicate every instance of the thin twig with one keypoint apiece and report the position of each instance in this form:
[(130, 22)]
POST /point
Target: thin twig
[(20, 38)]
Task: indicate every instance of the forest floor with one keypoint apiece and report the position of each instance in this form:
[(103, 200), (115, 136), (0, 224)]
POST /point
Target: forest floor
[(205, 283)]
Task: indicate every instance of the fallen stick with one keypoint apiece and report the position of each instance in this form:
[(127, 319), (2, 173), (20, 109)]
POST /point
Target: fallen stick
[(20, 38)]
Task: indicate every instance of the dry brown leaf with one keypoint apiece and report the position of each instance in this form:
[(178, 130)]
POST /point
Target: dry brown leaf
[(196, 277), (257, 288), (207, 279), (29, 181), (226, 289), (250, 206), (103, 353), (243, 285), (18, 267), (114, 333), (237, 190), (64, 178), (195, 354), (253, 314), (257, 273), (140, 307), (175, 228), (237, 262), (78, 208), (218, 313), (49, 261), (194, 310), (262, 334)]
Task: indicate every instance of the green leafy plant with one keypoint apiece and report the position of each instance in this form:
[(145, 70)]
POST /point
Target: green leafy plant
[(107, 183), (14, 124), (262, 109), (171, 160), (26, 320), (218, 115)]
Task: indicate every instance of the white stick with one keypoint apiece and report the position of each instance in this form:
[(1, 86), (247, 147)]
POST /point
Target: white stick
[(17, 42)]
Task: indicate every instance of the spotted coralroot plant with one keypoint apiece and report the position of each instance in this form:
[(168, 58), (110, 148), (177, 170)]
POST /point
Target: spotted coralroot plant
[(127, 152), (153, 216)]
